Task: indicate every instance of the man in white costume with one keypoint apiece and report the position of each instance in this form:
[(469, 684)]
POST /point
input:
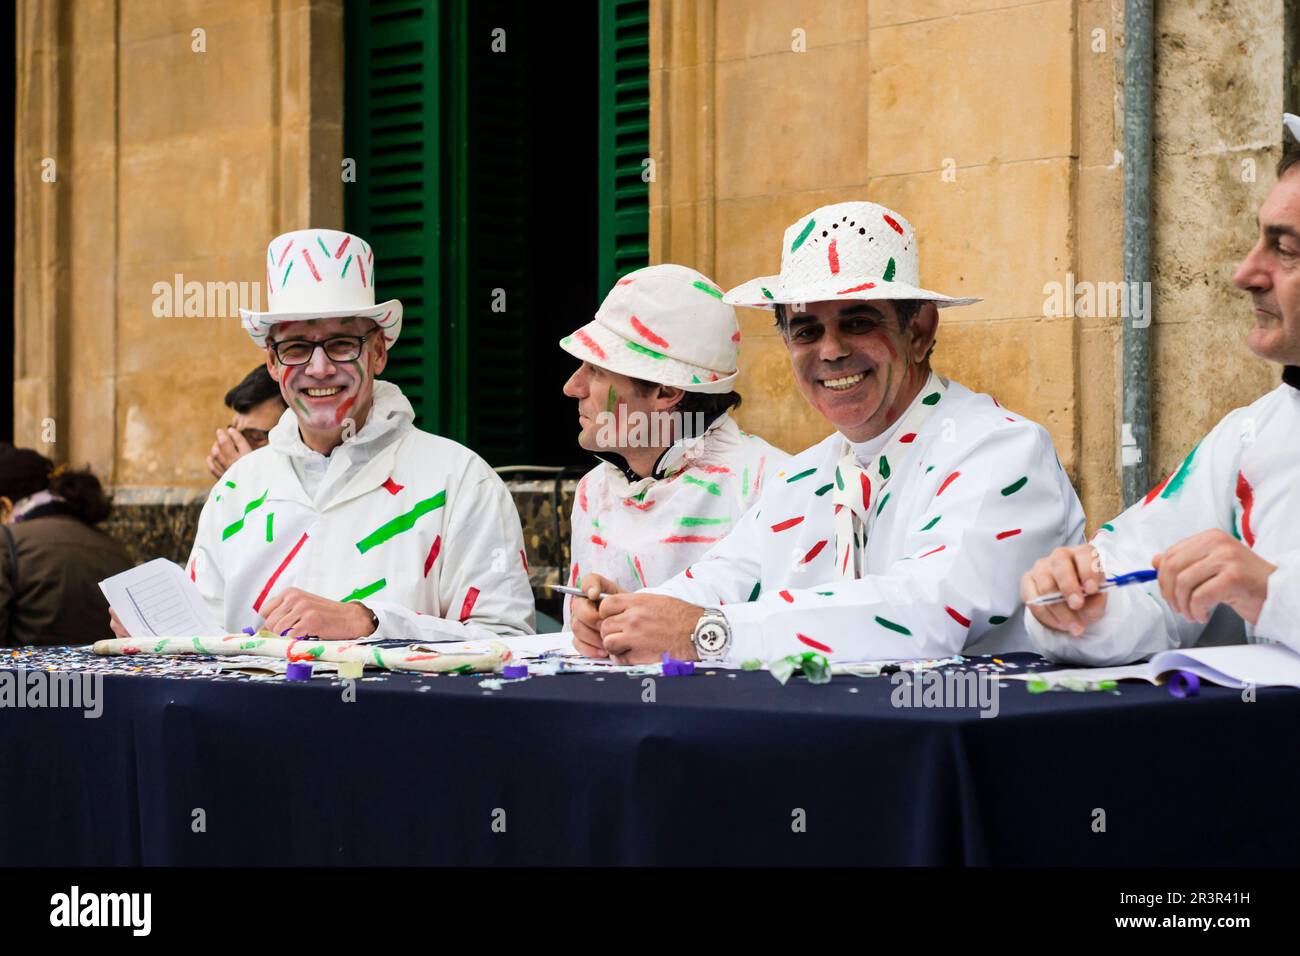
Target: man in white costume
[(901, 535), (1224, 527), (654, 393), (351, 522)]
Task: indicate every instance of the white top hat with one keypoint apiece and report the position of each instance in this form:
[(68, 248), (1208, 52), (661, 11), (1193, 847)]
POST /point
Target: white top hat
[(321, 274), (665, 324), (851, 250)]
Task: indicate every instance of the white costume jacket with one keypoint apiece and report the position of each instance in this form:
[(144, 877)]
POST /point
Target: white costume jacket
[(639, 533), (1240, 478), (416, 526), (979, 497)]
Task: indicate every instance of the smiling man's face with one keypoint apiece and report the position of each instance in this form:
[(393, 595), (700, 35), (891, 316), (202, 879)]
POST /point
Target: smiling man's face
[(325, 393), (855, 365), (1271, 274)]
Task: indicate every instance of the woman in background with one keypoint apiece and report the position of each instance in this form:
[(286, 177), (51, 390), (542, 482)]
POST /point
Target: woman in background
[(52, 558)]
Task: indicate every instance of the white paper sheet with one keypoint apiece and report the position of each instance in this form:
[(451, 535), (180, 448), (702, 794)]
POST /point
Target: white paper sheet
[(1233, 665), (158, 599)]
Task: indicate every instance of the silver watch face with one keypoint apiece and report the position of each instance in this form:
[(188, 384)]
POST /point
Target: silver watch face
[(711, 637)]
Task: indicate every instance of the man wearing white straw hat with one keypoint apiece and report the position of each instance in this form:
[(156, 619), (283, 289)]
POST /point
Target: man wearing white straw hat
[(901, 535), (654, 392), (352, 522)]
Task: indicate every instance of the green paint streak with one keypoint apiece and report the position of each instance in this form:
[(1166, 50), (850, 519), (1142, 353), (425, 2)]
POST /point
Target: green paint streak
[(366, 591), (932, 398), (298, 401), (642, 494), (744, 483), (930, 469), (807, 230), (695, 380), (1015, 486), (158, 648), (403, 522), (758, 586), (566, 340), (691, 522), (379, 658), (1108, 527), (705, 287), (230, 484), (710, 486), (803, 474), (763, 289), (270, 523), (884, 467), (826, 593), (1180, 476), (287, 270), (317, 651), (198, 646), (346, 262), (236, 526), (839, 479), (889, 271), (892, 626), (881, 507), (998, 619), (932, 523), (611, 400), (823, 489), (637, 347)]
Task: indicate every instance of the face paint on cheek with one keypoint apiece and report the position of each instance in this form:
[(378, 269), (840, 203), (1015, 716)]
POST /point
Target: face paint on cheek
[(611, 400)]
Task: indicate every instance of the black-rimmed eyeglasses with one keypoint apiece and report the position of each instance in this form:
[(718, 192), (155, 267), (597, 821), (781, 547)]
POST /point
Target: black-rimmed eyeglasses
[(338, 348)]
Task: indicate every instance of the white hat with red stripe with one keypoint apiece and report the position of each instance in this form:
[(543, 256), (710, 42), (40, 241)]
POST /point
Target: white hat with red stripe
[(321, 274), (665, 324), (849, 250)]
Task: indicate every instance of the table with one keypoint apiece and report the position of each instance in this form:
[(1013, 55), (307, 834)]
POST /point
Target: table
[(580, 769)]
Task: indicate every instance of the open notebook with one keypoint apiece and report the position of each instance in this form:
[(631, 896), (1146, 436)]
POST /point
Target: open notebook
[(1236, 665)]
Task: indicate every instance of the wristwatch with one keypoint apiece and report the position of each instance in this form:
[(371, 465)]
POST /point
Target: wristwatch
[(712, 636), (374, 618)]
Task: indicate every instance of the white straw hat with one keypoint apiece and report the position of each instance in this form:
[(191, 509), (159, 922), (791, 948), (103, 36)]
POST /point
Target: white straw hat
[(665, 324), (851, 250)]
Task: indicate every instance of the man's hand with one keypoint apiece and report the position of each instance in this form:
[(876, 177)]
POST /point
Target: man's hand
[(1212, 568), (638, 628), (304, 614), (116, 624), (1076, 573), (229, 447), (584, 615)]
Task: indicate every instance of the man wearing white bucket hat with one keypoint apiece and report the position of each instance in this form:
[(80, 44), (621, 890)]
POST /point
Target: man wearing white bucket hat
[(902, 534), (351, 522), (654, 393)]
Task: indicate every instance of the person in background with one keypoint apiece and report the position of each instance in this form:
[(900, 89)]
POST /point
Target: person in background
[(258, 405), (52, 557)]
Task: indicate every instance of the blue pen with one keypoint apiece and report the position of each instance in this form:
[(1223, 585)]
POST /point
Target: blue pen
[(1118, 581)]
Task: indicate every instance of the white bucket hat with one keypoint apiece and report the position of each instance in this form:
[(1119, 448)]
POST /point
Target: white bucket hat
[(665, 324), (850, 250), (321, 274)]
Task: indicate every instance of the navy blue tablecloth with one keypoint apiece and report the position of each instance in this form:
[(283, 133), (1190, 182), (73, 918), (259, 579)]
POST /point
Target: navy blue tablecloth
[(581, 770)]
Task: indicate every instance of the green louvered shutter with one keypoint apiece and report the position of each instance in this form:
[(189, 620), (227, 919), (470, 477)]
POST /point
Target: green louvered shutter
[(394, 128), (624, 139)]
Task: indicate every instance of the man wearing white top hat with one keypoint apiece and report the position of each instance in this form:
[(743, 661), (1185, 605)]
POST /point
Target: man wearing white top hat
[(901, 535), (351, 522), (654, 392)]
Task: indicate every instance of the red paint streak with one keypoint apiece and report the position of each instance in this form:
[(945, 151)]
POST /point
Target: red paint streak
[(582, 495), (1151, 495), (285, 253), (963, 621), (646, 334), (433, 554), (470, 597), (573, 578), (639, 506), (717, 469), (833, 258), (735, 336), (270, 286), (848, 548), (1008, 534), (816, 645), (946, 482), (599, 541), (787, 524), (866, 491), (422, 657), (688, 539), (343, 245), (815, 550), (257, 605), (130, 649), (193, 565), (341, 412), (624, 282), (893, 354), (787, 596), (524, 558), (639, 572), (689, 575), (857, 288), (362, 272), (306, 254), (934, 551), (1246, 495), (391, 486), (894, 225), (588, 341), (907, 439)]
